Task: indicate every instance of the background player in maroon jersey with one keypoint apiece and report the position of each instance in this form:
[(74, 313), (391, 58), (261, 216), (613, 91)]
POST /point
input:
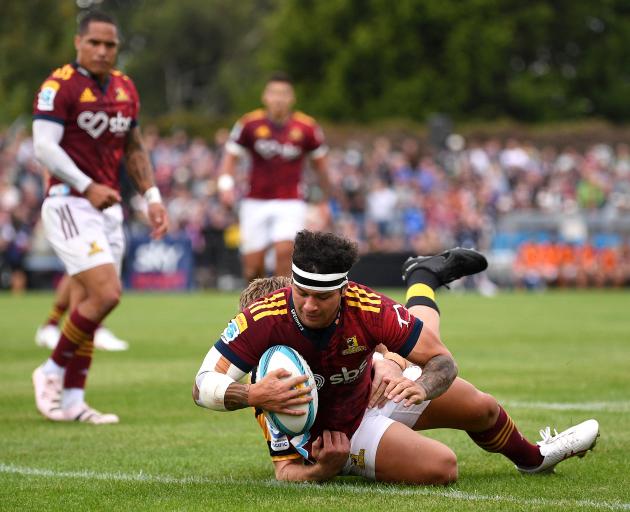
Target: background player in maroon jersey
[(85, 123), (278, 141)]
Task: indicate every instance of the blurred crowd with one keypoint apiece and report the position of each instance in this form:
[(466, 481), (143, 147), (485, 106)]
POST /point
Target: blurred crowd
[(390, 196)]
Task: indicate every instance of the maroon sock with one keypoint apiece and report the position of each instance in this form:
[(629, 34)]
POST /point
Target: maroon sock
[(505, 438), (76, 330), (55, 315), (78, 367)]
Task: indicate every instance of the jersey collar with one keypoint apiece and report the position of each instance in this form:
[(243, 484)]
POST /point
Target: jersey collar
[(319, 337), (88, 74)]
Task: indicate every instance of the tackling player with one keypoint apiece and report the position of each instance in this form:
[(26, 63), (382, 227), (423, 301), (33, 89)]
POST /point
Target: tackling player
[(336, 325), (278, 141), (85, 123)]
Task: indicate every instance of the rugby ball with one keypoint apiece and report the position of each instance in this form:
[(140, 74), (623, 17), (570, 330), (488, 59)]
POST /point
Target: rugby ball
[(281, 356)]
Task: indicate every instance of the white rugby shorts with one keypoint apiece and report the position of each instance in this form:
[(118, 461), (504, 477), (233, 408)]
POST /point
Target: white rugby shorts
[(82, 236), (264, 222), (365, 441)]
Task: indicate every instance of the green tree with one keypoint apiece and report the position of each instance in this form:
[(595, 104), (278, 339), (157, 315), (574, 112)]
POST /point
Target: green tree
[(189, 55), (34, 39)]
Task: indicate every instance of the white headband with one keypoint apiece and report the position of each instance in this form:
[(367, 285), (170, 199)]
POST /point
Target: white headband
[(318, 282)]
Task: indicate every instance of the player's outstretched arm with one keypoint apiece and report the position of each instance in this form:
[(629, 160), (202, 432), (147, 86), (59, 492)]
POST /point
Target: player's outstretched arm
[(140, 171)]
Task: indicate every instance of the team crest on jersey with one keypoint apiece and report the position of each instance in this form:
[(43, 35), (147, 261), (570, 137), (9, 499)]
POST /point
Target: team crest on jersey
[(121, 94), (46, 96), (353, 346), (87, 96), (94, 249), (262, 132), (358, 459), (234, 327), (296, 134)]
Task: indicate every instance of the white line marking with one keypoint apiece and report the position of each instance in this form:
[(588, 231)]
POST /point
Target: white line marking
[(382, 489), (620, 406)]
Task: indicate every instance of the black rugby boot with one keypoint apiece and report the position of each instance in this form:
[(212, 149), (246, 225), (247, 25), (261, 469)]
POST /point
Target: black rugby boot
[(448, 265)]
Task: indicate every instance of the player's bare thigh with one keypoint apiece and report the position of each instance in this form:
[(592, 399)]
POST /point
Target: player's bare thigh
[(461, 407), (406, 456), (253, 265)]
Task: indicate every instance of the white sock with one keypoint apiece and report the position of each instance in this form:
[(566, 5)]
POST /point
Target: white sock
[(71, 397), (50, 367)]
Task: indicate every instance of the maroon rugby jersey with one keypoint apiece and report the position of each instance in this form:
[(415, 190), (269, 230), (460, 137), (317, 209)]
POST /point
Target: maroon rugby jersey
[(340, 356), (96, 118), (277, 152)]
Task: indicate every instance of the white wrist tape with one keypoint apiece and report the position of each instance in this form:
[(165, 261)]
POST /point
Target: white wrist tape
[(212, 390), (152, 195), (225, 183), (377, 356)]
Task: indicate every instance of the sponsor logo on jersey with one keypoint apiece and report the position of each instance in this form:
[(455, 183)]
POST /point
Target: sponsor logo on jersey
[(94, 249), (319, 380), (269, 148), (46, 96), (402, 322), (234, 328), (353, 346), (296, 319), (121, 94), (347, 376), (87, 96), (279, 441), (241, 322), (95, 123), (279, 445)]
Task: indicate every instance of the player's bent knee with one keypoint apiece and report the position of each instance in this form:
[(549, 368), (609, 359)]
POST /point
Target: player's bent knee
[(446, 471), (488, 409), (106, 298)]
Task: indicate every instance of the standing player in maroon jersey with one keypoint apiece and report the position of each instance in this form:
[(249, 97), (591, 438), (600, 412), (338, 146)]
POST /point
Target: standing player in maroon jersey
[(85, 124), (278, 141), (335, 325)]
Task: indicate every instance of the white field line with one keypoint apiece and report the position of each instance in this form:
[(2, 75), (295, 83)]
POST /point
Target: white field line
[(619, 406), (338, 488)]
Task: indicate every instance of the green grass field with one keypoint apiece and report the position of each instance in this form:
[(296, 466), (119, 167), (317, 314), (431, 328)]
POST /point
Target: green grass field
[(552, 359)]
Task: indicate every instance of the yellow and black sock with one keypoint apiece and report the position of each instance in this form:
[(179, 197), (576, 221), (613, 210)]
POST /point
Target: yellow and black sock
[(421, 294)]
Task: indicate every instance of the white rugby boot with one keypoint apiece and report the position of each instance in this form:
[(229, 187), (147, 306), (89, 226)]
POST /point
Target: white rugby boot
[(48, 394), (83, 413), (555, 448), (47, 336), (104, 339)]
